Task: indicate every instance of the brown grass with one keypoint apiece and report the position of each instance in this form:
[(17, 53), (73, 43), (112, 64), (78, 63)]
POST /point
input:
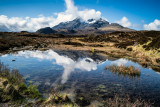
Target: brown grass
[(125, 102), (117, 44), (124, 70)]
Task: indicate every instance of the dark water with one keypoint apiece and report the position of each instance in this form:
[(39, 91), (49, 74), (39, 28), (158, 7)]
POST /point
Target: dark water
[(83, 75)]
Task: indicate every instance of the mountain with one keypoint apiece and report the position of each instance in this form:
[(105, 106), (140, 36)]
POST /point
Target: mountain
[(81, 27), (46, 30), (98, 23), (79, 24), (76, 24)]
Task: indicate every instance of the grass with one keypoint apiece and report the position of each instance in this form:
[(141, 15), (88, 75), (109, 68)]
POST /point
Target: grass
[(140, 45), (149, 58), (13, 76), (93, 50), (130, 71), (143, 46), (147, 49), (58, 99), (13, 87), (154, 53), (125, 102), (14, 91)]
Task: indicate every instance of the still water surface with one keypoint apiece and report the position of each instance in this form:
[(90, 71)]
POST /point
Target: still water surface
[(83, 74)]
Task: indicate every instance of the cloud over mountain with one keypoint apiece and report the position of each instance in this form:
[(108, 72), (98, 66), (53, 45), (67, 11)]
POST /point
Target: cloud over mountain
[(33, 24), (73, 12), (125, 22)]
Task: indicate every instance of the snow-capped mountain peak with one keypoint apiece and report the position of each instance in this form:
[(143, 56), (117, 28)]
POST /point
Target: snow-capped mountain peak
[(85, 27)]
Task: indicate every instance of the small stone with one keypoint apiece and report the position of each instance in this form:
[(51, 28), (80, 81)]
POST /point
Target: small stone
[(13, 60)]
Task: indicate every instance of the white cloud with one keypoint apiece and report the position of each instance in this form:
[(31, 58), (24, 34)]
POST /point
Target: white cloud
[(27, 23), (153, 25), (33, 24), (124, 22), (72, 12)]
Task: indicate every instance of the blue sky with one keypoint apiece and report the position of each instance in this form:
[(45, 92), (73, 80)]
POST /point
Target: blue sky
[(136, 12)]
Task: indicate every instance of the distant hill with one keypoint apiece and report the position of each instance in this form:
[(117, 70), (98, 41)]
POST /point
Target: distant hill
[(81, 27), (46, 30)]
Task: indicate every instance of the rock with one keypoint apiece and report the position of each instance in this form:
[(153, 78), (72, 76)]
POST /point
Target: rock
[(13, 60)]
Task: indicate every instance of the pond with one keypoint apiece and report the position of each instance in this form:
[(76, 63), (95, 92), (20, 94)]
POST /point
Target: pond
[(83, 74)]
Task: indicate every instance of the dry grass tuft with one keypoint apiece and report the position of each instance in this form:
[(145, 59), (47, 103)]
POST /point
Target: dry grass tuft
[(131, 71), (125, 102)]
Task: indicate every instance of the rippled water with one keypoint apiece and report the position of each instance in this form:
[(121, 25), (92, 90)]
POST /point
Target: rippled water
[(81, 74)]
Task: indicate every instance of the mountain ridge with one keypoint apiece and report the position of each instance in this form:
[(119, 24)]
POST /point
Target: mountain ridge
[(81, 27)]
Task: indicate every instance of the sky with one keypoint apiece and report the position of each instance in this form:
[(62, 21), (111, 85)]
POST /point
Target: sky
[(31, 15)]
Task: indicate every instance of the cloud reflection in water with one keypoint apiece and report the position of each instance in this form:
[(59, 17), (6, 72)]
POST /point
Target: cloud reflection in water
[(69, 65)]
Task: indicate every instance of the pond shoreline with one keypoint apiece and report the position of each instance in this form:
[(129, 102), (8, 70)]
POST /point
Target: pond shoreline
[(106, 52), (128, 45)]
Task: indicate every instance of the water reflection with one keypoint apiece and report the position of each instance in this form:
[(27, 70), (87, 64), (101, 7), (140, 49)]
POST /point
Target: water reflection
[(120, 62), (69, 65), (83, 76)]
